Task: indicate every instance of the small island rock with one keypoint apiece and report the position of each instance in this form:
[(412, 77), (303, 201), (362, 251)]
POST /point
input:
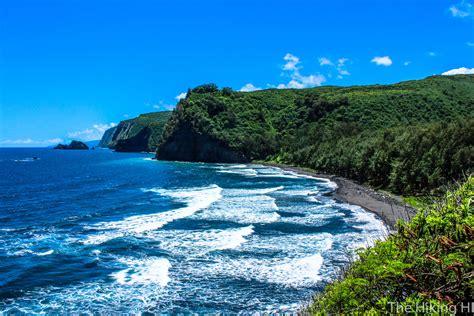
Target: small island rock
[(73, 145)]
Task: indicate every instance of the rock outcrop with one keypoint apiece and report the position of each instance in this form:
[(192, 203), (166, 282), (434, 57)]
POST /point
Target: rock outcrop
[(75, 144)]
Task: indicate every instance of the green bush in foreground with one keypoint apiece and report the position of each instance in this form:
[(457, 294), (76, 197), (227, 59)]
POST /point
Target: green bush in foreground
[(426, 267)]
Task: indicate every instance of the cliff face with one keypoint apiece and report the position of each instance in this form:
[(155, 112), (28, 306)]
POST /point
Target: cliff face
[(107, 137), (138, 134), (137, 143), (186, 144)]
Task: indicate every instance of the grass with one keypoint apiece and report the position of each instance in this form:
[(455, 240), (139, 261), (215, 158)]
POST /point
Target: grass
[(418, 202)]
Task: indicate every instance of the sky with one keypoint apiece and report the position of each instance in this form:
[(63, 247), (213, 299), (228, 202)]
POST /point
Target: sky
[(70, 69)]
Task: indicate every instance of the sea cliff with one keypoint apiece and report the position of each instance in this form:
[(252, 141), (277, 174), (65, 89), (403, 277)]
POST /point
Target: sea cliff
[(136, 135), (187, 144), (410, 137), (106, 139)]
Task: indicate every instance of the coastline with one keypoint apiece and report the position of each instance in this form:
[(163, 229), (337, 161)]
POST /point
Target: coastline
[(388, 207)]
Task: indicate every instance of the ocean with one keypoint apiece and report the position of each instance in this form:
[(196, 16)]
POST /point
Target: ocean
[(100, 232)]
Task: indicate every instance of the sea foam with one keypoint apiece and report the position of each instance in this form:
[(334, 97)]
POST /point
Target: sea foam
[(193, 244), (145, 271), (244, 206), (289, 272), (27, 251), (227, 239), (196, 199), (242, 172)]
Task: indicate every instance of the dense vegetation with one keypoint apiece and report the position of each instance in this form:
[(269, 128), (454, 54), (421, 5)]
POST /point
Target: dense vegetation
[(138, 134), (408, 137), (427, 263), (403, 159)]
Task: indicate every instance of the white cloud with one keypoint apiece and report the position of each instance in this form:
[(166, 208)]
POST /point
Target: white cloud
[(459, 71), (181, 96), (470, 44), (462, 10), (432, 54), (249, 87), (457, 12), (17, 141), (293, 84), (406, 63), (82, 134), (382, 61), (339, 66), (103, 127), (325, 61), (292, 62), (163, 106), (299, 81), (30, 142), (93, 133), (311, 81), (54, 141), (342, 61)]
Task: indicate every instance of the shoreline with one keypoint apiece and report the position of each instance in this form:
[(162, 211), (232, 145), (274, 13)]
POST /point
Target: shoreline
[(388, 207)]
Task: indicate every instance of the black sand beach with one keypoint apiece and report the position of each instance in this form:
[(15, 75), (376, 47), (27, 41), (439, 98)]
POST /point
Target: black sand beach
[(388, 207)]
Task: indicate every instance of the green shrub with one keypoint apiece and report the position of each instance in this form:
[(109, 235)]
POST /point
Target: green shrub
[(428, 261)]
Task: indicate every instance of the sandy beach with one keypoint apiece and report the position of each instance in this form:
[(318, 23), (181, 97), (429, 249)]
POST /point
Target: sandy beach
[(388, 207)]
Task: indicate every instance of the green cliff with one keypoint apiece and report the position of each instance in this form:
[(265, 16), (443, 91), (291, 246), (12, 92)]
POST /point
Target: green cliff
[(407, 137), (138, 134), (106, 139)]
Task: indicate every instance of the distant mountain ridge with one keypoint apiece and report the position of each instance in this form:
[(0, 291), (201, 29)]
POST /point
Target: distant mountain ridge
[(136, 135), (407, 137)]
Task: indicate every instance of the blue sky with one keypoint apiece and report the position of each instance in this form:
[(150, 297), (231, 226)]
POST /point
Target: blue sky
[(71, 68)]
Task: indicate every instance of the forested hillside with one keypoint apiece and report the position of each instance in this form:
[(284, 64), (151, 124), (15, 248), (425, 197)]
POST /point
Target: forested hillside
[(408, 137)]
